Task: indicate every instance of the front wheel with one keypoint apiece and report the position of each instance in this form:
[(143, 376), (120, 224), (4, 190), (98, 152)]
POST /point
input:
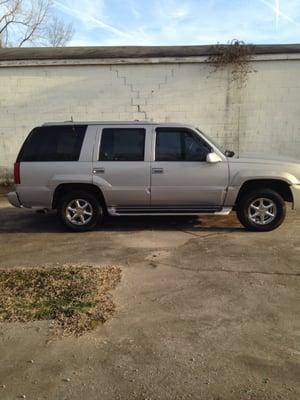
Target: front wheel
[(80, 211), (261, 210)]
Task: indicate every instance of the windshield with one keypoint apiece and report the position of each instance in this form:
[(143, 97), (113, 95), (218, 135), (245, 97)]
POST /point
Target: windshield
[(211, 141)]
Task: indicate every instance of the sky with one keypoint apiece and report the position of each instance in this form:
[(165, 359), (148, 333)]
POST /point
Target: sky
[(180, 22)]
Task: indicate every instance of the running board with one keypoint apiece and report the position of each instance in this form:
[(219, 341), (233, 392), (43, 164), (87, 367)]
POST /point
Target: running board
[(123, 211)]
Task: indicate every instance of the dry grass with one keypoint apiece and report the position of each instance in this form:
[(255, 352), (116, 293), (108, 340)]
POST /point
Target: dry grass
[(76, 298)]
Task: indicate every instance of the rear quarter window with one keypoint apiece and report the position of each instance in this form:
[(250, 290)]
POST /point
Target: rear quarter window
[(53, 143)]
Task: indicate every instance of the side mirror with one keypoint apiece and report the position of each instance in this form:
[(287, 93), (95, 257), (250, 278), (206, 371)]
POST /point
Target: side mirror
[(213, 158), (229, 153)]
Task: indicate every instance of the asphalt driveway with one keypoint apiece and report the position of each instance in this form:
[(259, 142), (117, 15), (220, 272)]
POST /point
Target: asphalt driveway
[(205, 310)]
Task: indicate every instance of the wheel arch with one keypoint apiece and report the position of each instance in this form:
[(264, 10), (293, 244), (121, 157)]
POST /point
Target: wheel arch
[(278, 185), (64, 188)]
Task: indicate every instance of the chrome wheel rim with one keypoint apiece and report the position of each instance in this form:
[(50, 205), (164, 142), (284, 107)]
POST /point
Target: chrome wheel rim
[(262, 211), (79, 212)]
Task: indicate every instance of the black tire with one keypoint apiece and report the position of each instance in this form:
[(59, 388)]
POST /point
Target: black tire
[(249, 198), (94, 207)]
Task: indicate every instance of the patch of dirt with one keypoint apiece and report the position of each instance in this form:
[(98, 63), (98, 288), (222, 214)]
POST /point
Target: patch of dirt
[(76, 298), (227, 222)]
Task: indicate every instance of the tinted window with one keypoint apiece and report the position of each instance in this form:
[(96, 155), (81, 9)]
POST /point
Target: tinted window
[(122, 144), (179, 145), (53, 143), (168, 146)]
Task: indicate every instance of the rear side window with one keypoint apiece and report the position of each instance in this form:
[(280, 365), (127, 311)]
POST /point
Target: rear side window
[(122, 144), (53, 143)]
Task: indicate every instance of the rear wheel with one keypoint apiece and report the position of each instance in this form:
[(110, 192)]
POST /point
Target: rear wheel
[(261, 210), (80, 211)]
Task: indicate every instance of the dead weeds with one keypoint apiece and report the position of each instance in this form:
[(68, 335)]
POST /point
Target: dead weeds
[(76, 298), (235, 54)]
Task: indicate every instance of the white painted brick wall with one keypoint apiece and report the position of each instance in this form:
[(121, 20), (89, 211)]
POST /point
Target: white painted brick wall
[(263, 116)]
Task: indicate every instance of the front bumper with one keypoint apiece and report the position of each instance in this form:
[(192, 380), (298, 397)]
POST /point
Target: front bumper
[(296, 196), (14, 199)]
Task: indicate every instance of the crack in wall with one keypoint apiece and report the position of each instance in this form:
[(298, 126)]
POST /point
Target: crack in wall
[(169, 75)]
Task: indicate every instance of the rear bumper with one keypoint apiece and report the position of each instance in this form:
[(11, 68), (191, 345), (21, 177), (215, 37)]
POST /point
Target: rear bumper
[(296, 196), (14, 199)]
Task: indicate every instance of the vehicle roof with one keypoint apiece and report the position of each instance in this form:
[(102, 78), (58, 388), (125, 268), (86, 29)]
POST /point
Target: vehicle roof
[(116, 123)]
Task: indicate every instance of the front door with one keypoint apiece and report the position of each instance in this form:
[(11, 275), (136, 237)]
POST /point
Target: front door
[(121, 166), (181, 179)]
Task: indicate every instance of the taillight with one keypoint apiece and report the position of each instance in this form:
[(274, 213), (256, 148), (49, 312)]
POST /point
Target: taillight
[(17, 173)]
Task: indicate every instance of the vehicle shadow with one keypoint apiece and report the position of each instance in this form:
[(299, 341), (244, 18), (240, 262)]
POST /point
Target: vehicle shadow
[(14, 220)]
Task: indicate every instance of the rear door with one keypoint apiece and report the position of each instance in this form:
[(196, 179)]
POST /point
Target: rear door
[(181, 179), (50, 155), (121, 166)]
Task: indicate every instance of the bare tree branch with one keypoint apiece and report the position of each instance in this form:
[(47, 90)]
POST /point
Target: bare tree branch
[(11, 12), (58, 33), (24, 21), (35, 20)]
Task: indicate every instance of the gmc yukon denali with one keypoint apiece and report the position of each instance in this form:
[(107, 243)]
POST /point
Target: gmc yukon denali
[(86, 169)]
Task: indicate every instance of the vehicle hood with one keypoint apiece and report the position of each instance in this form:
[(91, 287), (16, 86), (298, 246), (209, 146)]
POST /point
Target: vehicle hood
[(257, 157), (258, 166)]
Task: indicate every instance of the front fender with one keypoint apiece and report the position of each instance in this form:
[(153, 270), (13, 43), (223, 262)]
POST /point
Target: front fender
[(241, 177), (238, 178)]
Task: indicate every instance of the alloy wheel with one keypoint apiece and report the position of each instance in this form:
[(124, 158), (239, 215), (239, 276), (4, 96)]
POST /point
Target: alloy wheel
[(262, 211), (79, 212)]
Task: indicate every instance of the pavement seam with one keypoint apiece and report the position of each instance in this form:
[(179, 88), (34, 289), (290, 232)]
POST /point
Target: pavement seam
[(294, 274)]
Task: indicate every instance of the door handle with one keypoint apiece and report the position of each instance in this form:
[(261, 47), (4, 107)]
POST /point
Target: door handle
[(98, 170), (157, 170)]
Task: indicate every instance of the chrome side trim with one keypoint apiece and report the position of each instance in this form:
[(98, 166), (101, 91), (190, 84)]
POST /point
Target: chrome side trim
[(114, 212), (224, 211)]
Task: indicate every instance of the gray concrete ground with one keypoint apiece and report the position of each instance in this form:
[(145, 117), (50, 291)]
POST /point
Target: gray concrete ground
[(205, 310)]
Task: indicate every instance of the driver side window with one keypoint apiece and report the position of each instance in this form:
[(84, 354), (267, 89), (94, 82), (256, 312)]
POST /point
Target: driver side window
[(179, 145)]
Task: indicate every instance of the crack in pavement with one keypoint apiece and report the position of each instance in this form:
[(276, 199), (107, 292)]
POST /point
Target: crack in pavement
[(296, 274), (205, 235)]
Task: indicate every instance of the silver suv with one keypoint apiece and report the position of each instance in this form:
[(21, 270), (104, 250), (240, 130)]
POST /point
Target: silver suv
[(84, 170)]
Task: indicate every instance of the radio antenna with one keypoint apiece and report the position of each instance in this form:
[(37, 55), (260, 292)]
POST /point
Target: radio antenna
[(72, 120)]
